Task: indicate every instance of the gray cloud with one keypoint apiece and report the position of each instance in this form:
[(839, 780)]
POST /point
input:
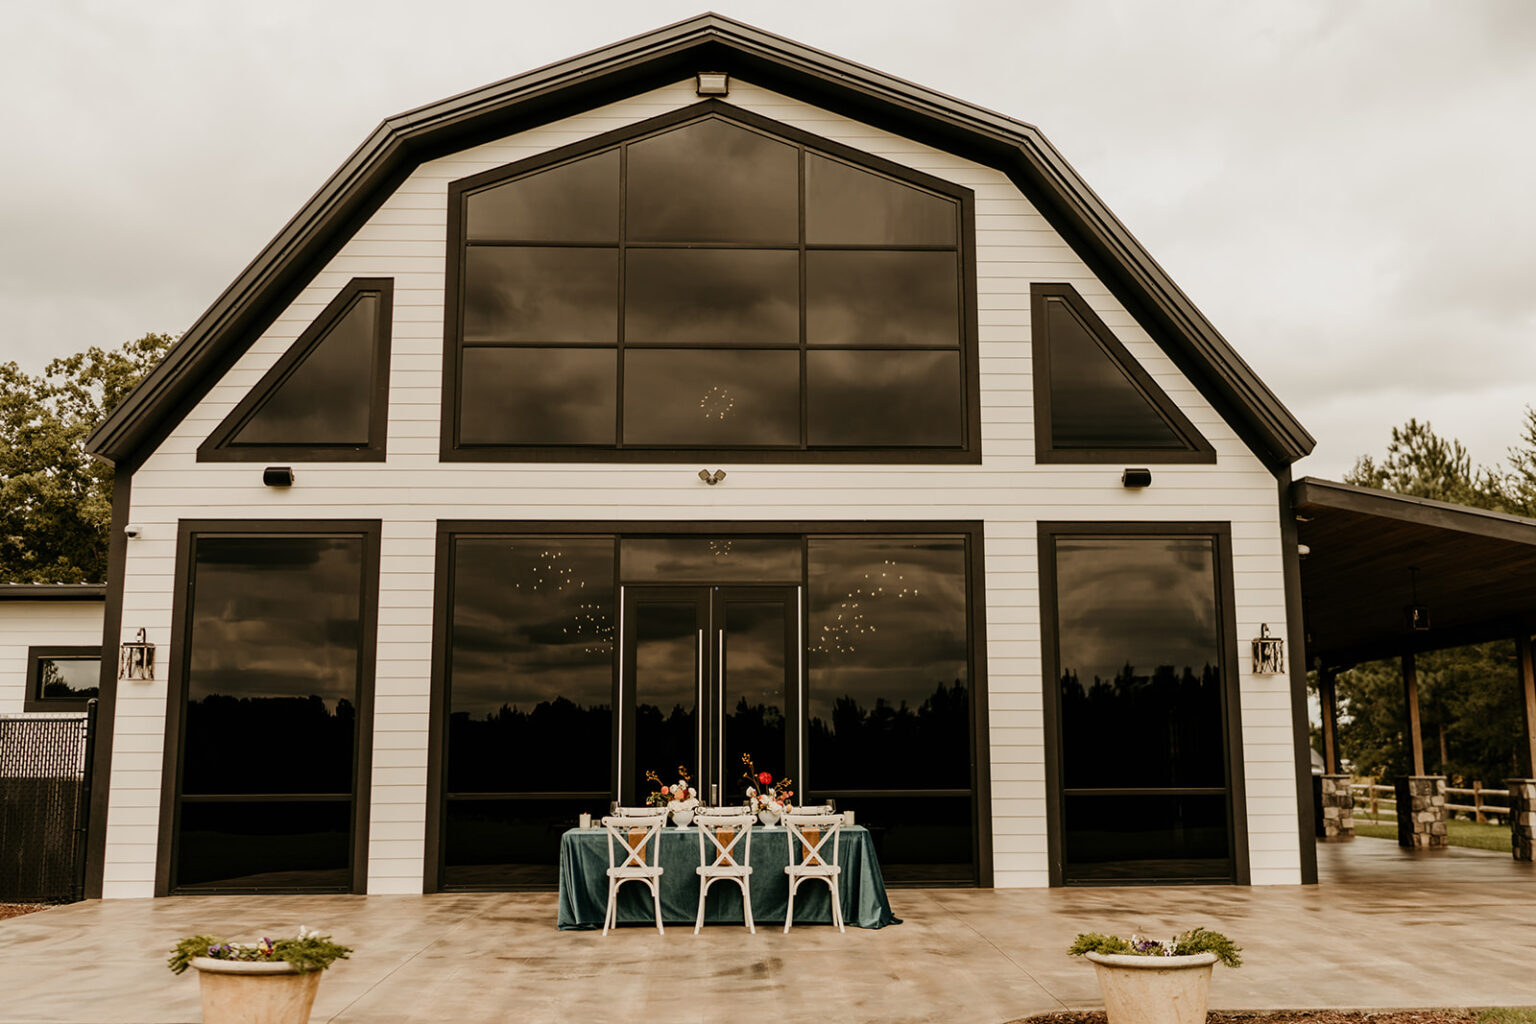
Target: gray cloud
[(1343, 188)]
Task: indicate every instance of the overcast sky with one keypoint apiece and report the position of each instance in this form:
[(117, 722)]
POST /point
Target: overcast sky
[(1345, 188)]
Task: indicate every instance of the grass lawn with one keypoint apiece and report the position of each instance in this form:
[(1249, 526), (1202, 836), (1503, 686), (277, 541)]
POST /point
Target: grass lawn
[(1461, 833)]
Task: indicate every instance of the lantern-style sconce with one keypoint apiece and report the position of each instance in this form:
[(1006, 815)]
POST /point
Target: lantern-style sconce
[(1268, 653), (136, 660)]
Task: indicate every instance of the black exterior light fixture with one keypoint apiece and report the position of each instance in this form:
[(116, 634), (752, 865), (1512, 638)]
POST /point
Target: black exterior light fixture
[(1136, 477), (1268, 653), (136, 660), (713, 83), (277, 476)]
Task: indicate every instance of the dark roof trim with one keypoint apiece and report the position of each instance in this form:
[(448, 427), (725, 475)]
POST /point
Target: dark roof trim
[(709, 42), (1310, 492), (53, 591)]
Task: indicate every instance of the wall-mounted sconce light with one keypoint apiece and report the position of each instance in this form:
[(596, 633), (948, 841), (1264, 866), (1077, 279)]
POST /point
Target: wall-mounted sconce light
[(713, 83), (136, 660), (711, 478), (1268, 653), (1136, 478), (277, 476)]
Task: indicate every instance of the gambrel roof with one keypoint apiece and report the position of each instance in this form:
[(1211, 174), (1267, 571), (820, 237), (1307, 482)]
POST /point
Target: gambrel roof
[(708, 42)]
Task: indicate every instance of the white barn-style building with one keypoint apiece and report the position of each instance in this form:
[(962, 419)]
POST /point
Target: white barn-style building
[(702, 395)]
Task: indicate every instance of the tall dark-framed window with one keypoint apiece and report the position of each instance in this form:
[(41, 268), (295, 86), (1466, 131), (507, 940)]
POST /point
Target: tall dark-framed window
[(62, 678), (327, 398), (1143, 733), (1093, 400), (269, 714), (710, 281)]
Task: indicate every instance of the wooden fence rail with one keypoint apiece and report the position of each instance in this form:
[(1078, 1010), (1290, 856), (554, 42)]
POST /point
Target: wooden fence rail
[(1371, 796)]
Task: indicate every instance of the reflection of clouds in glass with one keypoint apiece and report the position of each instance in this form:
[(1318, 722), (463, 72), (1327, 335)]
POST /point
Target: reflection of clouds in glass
[(275, 617), (532, 621), (688, 184), (710, 559), (1142, 601), (542, 294), (888, 619)]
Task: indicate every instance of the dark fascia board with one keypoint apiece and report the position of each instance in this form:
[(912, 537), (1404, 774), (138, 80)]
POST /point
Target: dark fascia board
[(53, 591), (1312, 493), (715, 43)]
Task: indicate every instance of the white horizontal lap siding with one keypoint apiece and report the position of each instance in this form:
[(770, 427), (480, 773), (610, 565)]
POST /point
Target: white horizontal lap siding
[(25, 624), (412, 491)]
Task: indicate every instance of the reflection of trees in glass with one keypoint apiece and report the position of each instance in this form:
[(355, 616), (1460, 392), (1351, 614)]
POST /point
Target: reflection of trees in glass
[(58, 684), (895, 746), (663, 740), (557, 746), (233, 745), (756, 729), (1162, 729), (531, 665)]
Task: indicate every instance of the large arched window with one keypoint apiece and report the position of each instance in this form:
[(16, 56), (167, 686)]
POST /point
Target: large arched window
[(709, 281)]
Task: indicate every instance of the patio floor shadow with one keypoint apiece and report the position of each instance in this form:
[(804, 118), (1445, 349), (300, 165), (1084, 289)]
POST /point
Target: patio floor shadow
[(1385, 928)]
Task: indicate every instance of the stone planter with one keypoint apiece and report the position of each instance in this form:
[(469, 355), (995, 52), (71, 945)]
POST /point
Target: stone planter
[(1154, 989), (237, 992)]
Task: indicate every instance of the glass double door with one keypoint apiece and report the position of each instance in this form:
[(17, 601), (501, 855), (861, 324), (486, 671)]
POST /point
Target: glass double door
[(710, 674)]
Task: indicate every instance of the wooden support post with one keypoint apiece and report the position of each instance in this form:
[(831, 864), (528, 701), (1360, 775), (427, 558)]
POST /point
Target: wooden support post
[(1411, 700), (1528, 692), (1477, 803), (1325, 692)]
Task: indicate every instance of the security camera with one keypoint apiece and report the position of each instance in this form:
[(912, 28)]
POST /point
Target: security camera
[(132, 530)]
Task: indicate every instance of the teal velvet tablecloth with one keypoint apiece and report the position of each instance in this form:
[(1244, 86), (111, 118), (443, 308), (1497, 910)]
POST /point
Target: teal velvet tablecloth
[(584, 883)]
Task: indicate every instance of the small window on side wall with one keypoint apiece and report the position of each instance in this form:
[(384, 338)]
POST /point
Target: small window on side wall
[(1093, 401), (327, 398), (62, 678)]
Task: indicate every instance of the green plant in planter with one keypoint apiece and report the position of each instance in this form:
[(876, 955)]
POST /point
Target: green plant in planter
[(306, 952), (1196, 940)]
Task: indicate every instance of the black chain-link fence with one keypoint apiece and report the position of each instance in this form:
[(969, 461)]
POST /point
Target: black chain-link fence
[(44, 806)]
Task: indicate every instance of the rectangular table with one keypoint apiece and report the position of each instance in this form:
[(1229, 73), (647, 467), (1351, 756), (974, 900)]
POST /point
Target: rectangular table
[(584, 882)]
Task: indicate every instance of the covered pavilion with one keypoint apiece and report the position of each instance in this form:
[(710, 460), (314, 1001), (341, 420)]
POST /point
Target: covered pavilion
[(1391, 576)]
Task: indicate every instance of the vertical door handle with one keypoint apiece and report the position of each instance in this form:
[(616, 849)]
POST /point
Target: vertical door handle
[(698, 761), (720, 700)]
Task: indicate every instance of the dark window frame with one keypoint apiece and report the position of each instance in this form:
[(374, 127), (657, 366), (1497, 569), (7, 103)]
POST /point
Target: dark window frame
[(1220, 534), (1197, 449), (976, 619), (219, 445), (178, 677), (967, 452), (34, 699)]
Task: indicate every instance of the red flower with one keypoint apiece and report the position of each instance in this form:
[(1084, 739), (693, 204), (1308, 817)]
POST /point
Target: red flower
[(765, 778)]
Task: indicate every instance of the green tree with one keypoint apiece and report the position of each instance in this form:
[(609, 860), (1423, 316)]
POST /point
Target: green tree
[(1422, 463), (56, 501)]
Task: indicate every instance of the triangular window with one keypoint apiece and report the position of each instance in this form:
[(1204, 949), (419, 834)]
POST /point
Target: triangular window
[(326, 398), (1093, 400)]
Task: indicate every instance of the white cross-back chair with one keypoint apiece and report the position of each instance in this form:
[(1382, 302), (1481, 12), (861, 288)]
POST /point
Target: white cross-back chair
[(727, 857), (809, 836), (636, 834)]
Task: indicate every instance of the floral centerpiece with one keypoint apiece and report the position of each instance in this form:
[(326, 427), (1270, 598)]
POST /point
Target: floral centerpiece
[(681, 799), (765, 797), (273, 980), (1155, 981)]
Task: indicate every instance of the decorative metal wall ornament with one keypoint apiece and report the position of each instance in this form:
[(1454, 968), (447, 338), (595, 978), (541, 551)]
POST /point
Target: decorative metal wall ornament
[(1268, 653), (136, 660)]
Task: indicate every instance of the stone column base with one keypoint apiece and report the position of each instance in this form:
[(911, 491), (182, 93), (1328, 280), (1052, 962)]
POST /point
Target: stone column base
[(1421, 812), (1522, 817), (1336, 817)]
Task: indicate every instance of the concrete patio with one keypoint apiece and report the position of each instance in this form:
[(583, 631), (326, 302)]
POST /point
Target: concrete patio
[(1384, 929)]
